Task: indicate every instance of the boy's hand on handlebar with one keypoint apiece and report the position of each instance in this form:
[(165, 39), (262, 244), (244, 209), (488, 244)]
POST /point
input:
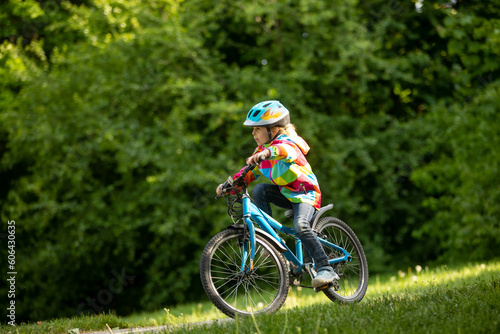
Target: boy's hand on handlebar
[(223, 187), (238, 182), (219, 190), (258, 157)]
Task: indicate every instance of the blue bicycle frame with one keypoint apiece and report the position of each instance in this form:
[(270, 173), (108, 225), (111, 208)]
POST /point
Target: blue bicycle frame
[(268, 224)]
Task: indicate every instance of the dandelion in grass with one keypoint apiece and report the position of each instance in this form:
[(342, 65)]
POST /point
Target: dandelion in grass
[(401, 274), (418, 268)]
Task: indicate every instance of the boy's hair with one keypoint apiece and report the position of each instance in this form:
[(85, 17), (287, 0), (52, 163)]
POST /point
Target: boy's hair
[(288, 129)]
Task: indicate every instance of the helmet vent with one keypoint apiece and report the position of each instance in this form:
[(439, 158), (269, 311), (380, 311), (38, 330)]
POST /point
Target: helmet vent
[(256, 112), (265, 105)]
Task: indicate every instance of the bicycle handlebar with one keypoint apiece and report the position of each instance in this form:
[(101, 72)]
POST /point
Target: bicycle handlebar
[(243, 173), (229, 184)]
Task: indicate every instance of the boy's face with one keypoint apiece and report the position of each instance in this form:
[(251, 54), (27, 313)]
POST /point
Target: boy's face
[(260, 135)]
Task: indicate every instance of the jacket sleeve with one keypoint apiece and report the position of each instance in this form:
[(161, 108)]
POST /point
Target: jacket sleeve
[(283, 151), (251, 175)]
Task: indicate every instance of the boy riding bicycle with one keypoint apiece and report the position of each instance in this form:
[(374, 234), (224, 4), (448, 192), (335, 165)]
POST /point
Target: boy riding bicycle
[(280, 156)]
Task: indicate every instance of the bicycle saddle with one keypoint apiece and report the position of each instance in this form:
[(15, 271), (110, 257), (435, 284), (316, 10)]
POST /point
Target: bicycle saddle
[(317, 214)]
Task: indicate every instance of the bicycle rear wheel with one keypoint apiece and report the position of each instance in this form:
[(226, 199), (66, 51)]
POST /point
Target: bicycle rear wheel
[(353, 274), (261, 290)]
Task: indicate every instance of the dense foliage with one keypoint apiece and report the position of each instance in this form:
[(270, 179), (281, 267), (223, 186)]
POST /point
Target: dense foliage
[(119, 118)]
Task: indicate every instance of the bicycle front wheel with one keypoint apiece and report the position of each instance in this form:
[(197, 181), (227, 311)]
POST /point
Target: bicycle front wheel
[(354, 273), (262, 289)]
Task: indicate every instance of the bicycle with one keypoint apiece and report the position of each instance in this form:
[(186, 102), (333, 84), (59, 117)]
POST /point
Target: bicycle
[(246, 269)]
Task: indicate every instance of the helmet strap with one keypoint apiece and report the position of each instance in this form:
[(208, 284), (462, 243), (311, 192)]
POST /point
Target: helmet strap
[(270, 135)]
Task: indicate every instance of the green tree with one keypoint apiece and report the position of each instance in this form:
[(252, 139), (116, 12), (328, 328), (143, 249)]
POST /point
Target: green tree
[(461, 181)]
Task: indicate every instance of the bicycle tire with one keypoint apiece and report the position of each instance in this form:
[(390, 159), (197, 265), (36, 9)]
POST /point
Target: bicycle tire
[(353, 274), (264, 290)]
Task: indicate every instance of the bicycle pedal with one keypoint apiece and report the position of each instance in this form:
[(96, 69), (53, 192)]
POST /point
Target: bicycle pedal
[(335, 285), (321, 288)]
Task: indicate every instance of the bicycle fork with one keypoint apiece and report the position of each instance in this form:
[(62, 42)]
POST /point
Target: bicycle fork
[(249, 248)]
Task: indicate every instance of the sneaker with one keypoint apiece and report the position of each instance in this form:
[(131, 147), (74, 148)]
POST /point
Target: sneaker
[(324, 277)]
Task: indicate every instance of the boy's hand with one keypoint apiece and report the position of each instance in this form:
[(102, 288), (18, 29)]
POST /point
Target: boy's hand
[(257, 157), (219, 190)]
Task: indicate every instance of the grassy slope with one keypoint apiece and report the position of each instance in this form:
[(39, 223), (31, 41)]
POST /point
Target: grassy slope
[(466, 300), (442, 300)]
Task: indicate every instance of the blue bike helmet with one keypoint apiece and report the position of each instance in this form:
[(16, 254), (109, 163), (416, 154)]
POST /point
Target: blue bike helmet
[(268, 114)]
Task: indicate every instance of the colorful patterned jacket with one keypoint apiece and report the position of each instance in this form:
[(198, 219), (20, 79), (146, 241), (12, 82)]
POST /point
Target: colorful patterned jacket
[(288, 168)]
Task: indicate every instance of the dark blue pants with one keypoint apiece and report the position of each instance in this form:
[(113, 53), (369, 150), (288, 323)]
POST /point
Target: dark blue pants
[(264, 194)]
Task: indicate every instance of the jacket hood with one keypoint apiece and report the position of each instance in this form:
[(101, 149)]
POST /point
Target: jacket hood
[(295, 139), (301, 143)]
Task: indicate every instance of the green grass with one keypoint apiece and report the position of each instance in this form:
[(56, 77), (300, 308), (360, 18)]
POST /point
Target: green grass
[(68, 325), (419, 300), (443, 300)]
